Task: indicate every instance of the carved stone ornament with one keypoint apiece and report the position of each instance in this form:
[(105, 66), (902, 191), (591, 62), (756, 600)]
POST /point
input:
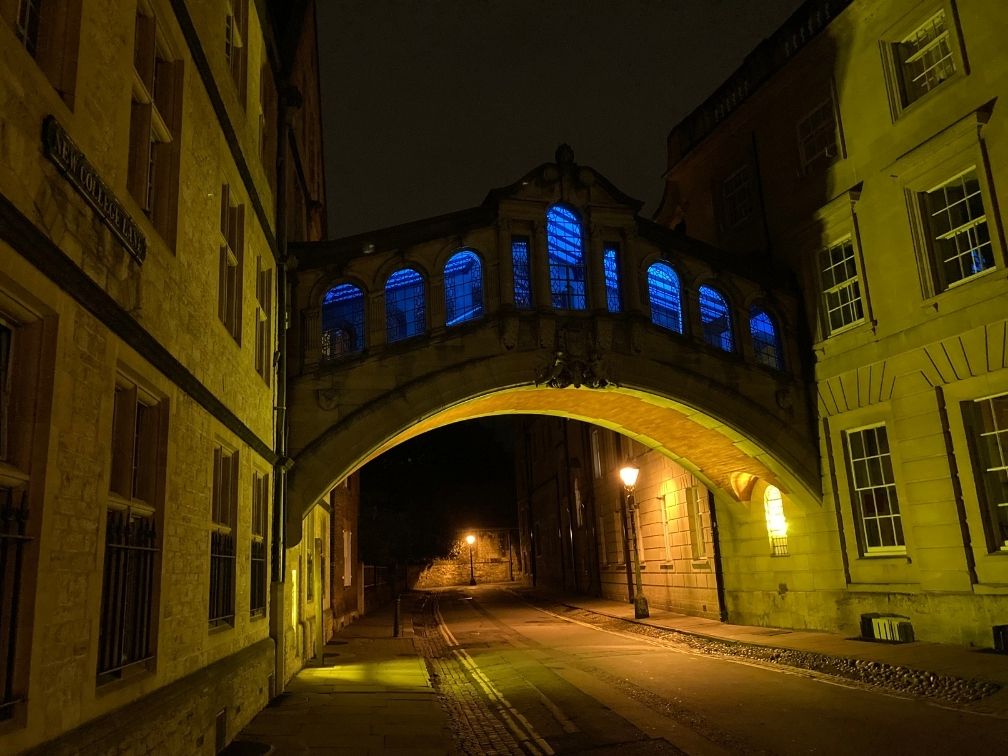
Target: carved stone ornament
[(566, 371), (328, 399)]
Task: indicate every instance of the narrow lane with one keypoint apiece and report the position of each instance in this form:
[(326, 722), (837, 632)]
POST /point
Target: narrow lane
[(556, 685)]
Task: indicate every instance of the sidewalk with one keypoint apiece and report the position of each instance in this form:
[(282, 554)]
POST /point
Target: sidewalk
[(937, 658), (369, 695)]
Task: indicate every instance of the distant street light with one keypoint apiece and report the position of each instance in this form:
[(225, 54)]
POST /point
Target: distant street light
[(471, 539), (629, 475)]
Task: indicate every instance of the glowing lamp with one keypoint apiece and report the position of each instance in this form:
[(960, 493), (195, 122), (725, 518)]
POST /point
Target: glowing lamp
[(629, 475), (470, 539)]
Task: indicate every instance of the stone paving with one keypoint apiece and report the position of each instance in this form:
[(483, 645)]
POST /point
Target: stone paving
[(374, 693)]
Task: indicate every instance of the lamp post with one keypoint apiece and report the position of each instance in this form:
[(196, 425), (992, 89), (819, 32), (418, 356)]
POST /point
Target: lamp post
[(471, 539), (628, 474)]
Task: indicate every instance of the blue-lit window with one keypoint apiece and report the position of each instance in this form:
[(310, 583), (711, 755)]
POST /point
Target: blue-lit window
[(766, 343), (463, 286), (522, 272), (405, 315), (610, 261), (715, 319), (665, 298), (566, 259), (342, 321)]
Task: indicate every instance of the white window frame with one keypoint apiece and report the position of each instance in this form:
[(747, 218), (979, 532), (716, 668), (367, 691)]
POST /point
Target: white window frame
[(895, 57), (981, 468), (825, 291), (737, 200), (855, 488), (824, 156), (695, 512)]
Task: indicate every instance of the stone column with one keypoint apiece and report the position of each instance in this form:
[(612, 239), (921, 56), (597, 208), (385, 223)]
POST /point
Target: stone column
[(505, 263), (595, 269), (539, 259)]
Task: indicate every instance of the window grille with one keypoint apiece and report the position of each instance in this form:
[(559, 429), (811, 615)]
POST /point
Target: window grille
[(987, 421), (257, 559), (667, 502), (715, 319), (817, 136), (223, 506), (957, 229), (841, 288), (736, 194), (874, 489), (566, 259), (463, 285), (776, 522), (404, 305), (766, 342), (665, 297), (522, 272), (610, 263), (925, 58), (127, 593), (13, 540), (342, 321)]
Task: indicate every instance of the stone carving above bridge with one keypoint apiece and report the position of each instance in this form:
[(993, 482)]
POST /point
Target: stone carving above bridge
[(553, 283)]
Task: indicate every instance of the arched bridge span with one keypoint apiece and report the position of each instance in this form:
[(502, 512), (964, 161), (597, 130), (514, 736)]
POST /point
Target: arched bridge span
[(551, 297)]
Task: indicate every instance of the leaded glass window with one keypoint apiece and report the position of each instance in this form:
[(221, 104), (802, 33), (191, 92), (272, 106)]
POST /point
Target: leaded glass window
[(766, 342), (874, 490), (342, 321), (715, 319), (405, 313), (665, 297), (566, 259), (522, 272), (610, 262), (463, 284)]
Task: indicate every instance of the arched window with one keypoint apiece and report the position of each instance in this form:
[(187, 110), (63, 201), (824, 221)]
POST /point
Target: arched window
[(566, 259), (715, 319), (664, 296), (766, 344), (610, 263), (405, 315), (342, 321), (463, 287), (776, 522)]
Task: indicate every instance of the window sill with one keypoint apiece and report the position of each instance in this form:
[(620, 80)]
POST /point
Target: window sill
[(127, 676)]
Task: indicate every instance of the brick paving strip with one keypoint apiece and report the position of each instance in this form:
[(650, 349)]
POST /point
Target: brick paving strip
[(872, 674), (478, 723)]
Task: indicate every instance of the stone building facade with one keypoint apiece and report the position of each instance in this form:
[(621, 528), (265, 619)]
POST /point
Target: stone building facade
[(863, 145), (145, 580)]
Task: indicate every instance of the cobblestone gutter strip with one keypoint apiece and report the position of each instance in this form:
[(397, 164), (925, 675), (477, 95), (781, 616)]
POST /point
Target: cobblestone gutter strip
[(875, 674), (475, 728)]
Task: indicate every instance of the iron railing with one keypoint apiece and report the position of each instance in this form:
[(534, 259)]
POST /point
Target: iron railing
[(124, 637), (13, 539), (222, 578)]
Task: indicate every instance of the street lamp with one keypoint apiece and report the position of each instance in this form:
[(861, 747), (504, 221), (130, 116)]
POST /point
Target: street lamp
[(471, 539), (628, 475)]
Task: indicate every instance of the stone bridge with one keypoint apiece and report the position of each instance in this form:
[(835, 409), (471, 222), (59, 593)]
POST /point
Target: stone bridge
[(552, 297)]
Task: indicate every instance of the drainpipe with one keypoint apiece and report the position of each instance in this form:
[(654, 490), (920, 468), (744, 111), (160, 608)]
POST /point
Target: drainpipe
[(288, 100), (718, 569), (570, 515)]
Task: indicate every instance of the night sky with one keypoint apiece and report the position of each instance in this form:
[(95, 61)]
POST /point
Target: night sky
[(428, 104)]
